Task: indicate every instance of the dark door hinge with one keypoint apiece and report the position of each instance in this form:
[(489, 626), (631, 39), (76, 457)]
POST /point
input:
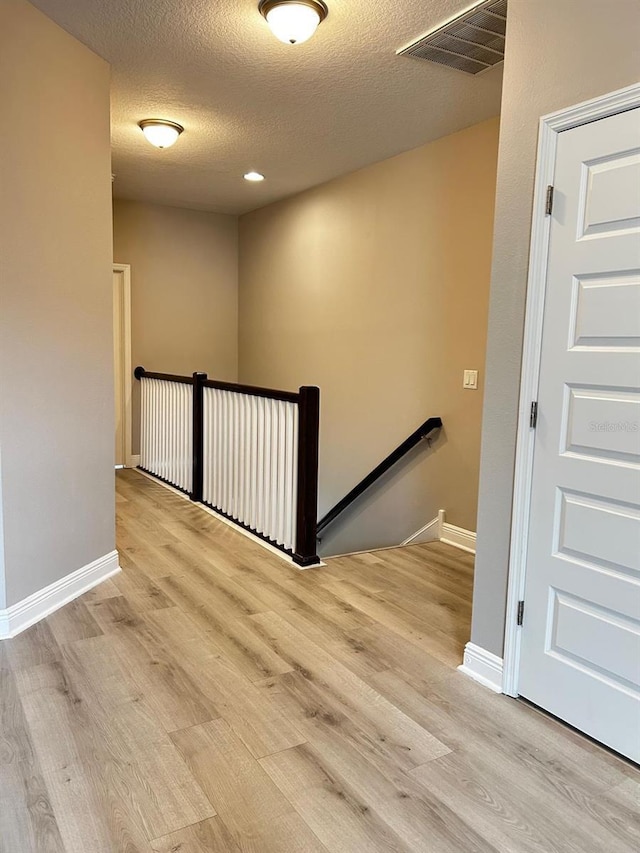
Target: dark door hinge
[(533, 417), (520, 612), (548, 208)]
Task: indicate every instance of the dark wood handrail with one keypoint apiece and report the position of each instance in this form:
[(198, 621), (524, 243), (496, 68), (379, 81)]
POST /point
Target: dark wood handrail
[(422, 432), (253, 390), (235, 387), (140, 372)]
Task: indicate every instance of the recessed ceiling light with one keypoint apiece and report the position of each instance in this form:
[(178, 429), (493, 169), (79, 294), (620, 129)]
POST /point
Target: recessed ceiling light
[(254, 176), (160, 132), (293, 21)]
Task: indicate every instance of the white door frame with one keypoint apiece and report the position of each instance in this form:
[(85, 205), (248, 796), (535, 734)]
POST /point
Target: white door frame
[(550, 126), (125, 269)]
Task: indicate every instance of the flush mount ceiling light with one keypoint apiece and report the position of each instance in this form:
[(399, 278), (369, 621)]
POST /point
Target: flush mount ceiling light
[(293, 21), (160, 132), (254, 176)]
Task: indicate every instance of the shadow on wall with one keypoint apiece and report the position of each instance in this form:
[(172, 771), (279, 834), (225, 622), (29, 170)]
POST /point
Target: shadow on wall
[(379, 517)]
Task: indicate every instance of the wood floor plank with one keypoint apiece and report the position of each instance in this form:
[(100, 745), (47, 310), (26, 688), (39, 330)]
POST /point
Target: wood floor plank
[(141, 592), (73, 622), (399, 737), (412, 587), (106, 589), (62, 733), (345, 645), (27, 821), (463, 713), (254, 717), (258, 816), (483, 786), (341, 819), (304, 595), (230, 635), (413, 628), (384, 644), (522, 761), (172, 695), (147, 778), (217, 588), (102, 751), (212, 697), (15, 742), (209, 836), (406, 808), (32, 647)]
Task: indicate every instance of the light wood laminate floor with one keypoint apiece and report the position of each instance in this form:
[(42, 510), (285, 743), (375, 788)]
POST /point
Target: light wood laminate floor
[(213, 698)]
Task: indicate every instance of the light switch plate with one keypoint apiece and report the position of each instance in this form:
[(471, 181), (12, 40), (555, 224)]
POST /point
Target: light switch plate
[(470, 380)]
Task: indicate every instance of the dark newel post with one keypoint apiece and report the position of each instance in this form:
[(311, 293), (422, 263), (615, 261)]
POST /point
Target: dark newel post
[(307, 509), (198, 443)]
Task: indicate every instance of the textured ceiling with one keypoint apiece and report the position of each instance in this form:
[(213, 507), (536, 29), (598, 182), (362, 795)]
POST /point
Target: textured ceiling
[(301, 115)]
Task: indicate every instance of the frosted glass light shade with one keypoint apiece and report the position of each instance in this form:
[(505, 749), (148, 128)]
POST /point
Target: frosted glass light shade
[(293, 21), (160, 133)]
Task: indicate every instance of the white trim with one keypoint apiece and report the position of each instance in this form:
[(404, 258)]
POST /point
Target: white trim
[(276, 551), (459, 537), (35, 607), (550, 126), (429, 533), (482, 666), (266, 545), (437, 530), (125, 269), (366, 551)]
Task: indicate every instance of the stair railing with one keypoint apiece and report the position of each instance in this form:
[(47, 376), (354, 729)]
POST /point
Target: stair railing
[(249, 453), (401, 450)]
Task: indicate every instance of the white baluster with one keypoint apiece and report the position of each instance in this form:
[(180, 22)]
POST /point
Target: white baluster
[(228, 451), (240, 509), (288, 407), (219, 472), (260, 481), (273, 496)]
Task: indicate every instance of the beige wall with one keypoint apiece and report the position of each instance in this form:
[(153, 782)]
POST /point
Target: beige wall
[(559, 52), (375, 287), (56, 370), (184, 290)]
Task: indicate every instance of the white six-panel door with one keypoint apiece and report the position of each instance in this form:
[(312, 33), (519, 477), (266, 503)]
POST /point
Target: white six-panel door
[(580, 655)]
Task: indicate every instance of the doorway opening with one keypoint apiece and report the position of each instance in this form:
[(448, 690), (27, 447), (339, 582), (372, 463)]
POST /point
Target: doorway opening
[(122, 363)]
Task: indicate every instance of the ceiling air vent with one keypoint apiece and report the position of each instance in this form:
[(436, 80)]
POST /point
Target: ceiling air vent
[(472, 42)]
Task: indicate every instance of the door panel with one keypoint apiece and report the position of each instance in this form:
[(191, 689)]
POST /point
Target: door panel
[(581, 634), (608, 205), (599, 422), (602, 532), (607, 311)]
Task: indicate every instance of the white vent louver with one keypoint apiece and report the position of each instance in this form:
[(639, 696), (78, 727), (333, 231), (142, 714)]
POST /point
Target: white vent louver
[(472, 42)]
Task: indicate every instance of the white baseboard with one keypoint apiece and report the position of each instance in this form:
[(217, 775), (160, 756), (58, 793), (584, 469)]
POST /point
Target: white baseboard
[(263, 544), (482, 666), (429, 533), (35, 607), (459, 537), (448, 533)]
